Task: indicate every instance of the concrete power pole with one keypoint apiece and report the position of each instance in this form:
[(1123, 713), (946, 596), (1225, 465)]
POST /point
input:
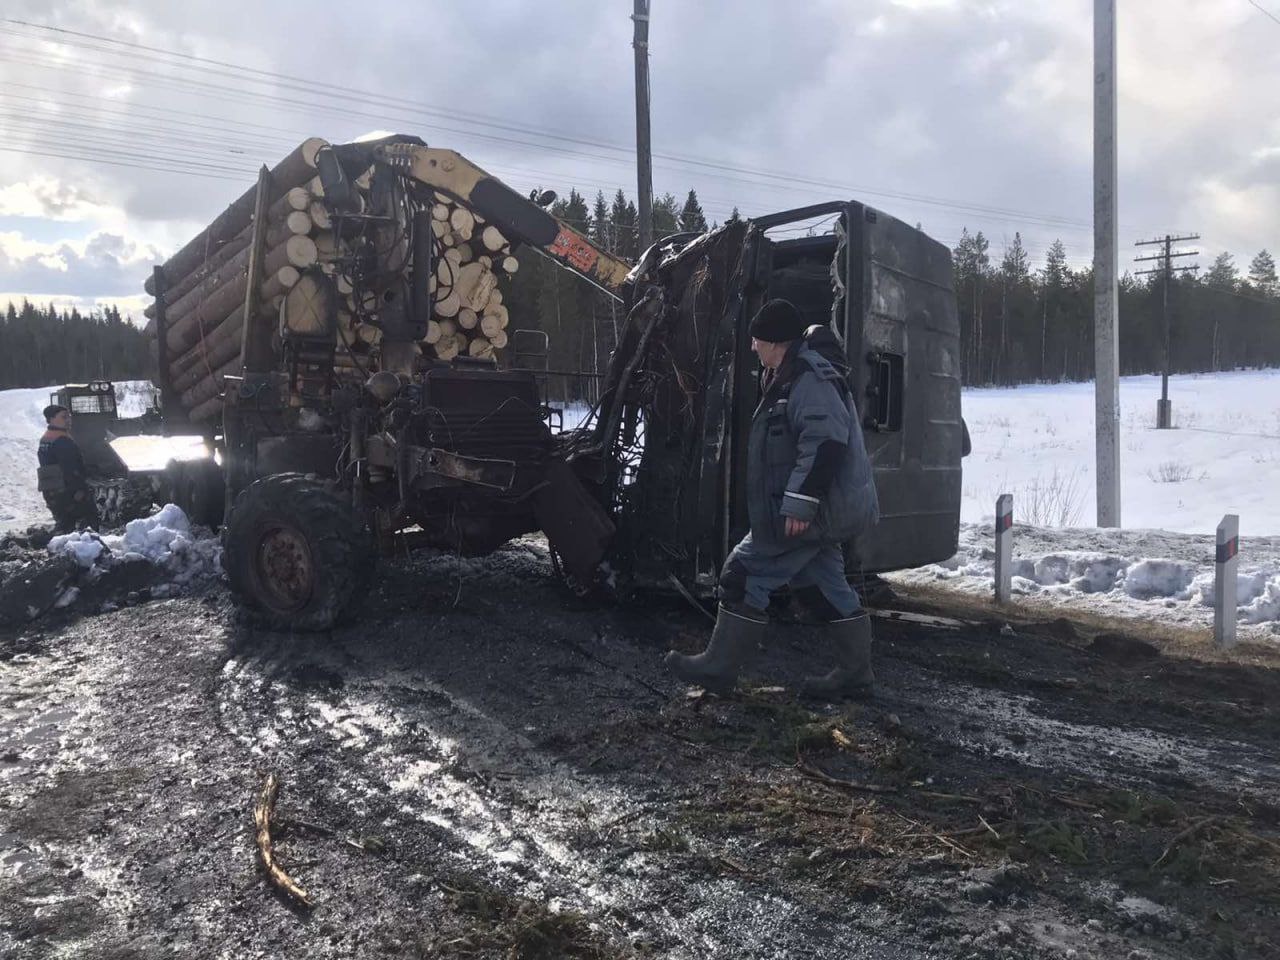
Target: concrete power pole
[(1105, 265), (1164, 409), (644, 159)]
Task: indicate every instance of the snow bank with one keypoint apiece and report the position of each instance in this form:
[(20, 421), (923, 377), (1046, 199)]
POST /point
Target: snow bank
[(164, 539), (1142, 574)]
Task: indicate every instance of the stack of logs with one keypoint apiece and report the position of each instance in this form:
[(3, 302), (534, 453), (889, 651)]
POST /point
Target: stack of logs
[(205, 284), (468, 315)]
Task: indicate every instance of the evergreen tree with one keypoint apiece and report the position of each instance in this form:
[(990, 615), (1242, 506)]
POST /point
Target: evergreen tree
[(666, 216), (1053, 280), (1222, 274), (45, 347), (734, 217), (1262, 274), (602, 232), (1015, 266), (1015, 273), (626, 224), (692, 219)]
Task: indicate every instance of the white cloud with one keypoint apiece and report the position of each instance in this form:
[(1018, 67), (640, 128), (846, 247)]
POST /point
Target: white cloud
[(101, 266), (983, 101), (52, 199)]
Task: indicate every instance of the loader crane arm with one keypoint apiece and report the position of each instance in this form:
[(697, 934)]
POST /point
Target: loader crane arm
[(516, 216)]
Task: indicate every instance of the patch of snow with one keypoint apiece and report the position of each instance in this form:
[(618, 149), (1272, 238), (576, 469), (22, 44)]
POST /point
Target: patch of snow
[(1142, 574), (1150, 579), (84, 547), (165, 539)]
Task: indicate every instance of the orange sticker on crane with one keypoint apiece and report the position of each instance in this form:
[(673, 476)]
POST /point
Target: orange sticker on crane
[(574, 250)]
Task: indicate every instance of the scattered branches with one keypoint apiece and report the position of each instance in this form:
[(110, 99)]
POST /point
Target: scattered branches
[(262, 812)]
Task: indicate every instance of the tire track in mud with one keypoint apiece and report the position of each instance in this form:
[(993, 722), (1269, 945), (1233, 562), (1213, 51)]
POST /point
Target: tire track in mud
[(62, 778), (1023, 729), (503, 807)]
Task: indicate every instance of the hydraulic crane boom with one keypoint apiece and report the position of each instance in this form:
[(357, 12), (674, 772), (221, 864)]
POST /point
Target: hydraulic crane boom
[(455, 175)]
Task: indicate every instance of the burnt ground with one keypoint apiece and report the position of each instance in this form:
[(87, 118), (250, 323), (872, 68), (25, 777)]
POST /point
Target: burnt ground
[(484, 768)]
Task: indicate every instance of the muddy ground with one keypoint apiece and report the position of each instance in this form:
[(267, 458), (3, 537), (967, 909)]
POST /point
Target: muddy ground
[(485, 768)]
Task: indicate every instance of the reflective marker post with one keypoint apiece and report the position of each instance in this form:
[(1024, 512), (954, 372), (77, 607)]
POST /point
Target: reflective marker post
[(1004, 547), (1224, 582)]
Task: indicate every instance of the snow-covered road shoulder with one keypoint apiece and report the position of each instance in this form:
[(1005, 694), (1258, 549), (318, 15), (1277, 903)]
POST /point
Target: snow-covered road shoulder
[(1127, 574)]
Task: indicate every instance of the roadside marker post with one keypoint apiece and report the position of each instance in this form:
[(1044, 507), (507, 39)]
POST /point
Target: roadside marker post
[(1004, 547), (1224, 582)]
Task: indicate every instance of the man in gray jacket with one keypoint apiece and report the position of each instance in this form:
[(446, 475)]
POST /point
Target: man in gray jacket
[(809, 489)]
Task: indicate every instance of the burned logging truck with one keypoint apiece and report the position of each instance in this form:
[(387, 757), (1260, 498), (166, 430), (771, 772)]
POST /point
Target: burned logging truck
[(339, 337)]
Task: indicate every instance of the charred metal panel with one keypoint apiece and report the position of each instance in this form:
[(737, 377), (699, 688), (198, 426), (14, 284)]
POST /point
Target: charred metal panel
[(669, 506), (435, 464), (901, 281), (483, 413), (575, 524), (886, 289)]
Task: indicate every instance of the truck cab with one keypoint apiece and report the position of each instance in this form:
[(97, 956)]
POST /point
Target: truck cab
[(677, 468), (886, 290)]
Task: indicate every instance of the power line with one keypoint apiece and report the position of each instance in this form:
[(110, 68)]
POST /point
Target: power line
[(1263, 10), (139, 161), (568, 175), (219, 68)]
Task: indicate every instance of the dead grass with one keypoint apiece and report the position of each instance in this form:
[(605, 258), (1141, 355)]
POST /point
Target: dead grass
[(492, 923), (1189, 643)]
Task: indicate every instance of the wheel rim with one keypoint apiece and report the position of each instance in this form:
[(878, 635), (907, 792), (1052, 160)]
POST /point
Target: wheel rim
[(283, 568)]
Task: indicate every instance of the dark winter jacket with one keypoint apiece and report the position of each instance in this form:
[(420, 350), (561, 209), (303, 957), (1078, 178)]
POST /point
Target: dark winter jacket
[(62, 477), (806, 457), (58, 449)]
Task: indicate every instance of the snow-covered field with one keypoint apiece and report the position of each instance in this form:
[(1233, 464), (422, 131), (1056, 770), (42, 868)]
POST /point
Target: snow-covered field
[(1035, 442)]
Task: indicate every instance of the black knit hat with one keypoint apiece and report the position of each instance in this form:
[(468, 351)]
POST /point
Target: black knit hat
[(778, 322)]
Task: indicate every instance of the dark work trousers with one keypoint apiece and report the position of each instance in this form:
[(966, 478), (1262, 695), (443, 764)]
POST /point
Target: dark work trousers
[(70, 513), (751, 574)]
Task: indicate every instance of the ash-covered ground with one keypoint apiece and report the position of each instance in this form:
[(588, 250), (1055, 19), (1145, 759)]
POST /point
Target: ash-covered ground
[(481, 767)]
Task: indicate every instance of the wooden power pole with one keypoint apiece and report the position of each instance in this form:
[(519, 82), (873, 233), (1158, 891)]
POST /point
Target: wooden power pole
[(644, 159), (1164, 408)]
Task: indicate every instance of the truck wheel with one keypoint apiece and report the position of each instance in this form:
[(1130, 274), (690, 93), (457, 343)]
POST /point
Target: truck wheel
[(203, 493), (296, 552)]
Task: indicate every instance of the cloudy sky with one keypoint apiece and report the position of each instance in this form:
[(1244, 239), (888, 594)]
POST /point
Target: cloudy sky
[(127, 124)]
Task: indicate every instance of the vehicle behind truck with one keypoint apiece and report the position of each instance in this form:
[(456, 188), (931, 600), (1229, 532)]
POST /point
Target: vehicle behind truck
[(358, 395)]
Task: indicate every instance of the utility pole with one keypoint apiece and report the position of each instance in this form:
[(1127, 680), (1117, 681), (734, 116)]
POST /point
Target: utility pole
[(1106, 344), (1164, 409), (644, 159)]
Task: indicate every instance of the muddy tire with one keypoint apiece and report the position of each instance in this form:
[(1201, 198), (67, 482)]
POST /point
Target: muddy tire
[(296, 554), (198, 488)]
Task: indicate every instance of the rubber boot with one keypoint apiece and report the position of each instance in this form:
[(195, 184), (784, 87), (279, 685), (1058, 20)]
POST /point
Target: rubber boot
[(733, 641), (852, 677)]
